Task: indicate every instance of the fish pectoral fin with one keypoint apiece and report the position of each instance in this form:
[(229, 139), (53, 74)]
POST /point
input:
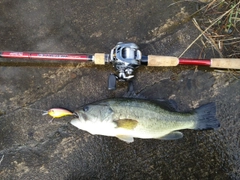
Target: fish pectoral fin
[(172, 136), (126, 138), (129, 124)]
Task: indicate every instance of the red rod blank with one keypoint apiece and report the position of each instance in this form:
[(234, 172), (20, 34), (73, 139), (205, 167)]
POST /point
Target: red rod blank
[(46, 56), (201, 62)]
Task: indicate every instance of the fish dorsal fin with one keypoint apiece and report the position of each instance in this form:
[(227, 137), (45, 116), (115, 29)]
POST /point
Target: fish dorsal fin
[(170, 104), (172, 136), (128, 124), (126, 138)]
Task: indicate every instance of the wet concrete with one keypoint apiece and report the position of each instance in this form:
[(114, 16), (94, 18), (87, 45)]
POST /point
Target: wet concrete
[(33, 148)]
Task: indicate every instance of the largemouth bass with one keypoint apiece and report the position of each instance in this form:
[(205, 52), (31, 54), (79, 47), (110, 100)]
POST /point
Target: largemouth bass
[(127, 118)]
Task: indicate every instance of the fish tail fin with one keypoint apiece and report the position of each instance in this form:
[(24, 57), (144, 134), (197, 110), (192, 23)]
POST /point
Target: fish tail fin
[(206, 117)]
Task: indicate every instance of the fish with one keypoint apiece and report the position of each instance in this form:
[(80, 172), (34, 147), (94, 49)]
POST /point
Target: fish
[(129, 118)]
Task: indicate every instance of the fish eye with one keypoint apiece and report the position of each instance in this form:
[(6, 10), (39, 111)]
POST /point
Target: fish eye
[(85, 108)]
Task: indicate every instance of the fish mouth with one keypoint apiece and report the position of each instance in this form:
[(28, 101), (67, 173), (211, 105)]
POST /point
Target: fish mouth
[(75, 114), (80, 116)]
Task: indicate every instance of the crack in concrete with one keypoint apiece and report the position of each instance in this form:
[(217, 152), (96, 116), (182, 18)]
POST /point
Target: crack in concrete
[(147, 86)]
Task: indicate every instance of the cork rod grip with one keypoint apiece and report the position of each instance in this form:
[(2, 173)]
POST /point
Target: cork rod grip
[(99, 58), (226, 63), (162, 60)]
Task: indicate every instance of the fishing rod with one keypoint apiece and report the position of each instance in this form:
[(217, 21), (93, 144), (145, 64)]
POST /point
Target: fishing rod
[(126, 57)]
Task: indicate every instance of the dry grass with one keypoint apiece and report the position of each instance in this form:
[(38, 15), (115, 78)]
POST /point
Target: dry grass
[(219, 25)]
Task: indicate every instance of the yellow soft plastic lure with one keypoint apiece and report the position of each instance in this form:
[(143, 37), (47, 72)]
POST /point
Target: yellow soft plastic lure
[(58, 113)]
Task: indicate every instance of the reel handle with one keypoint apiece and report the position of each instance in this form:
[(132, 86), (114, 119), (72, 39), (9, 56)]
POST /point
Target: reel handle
[(112, 82)]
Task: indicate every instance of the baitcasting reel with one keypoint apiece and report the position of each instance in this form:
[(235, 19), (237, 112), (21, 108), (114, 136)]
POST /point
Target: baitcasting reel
[(125, 57)]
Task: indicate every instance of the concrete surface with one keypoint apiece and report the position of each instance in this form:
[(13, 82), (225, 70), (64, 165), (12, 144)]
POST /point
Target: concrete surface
[(33, 148)]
